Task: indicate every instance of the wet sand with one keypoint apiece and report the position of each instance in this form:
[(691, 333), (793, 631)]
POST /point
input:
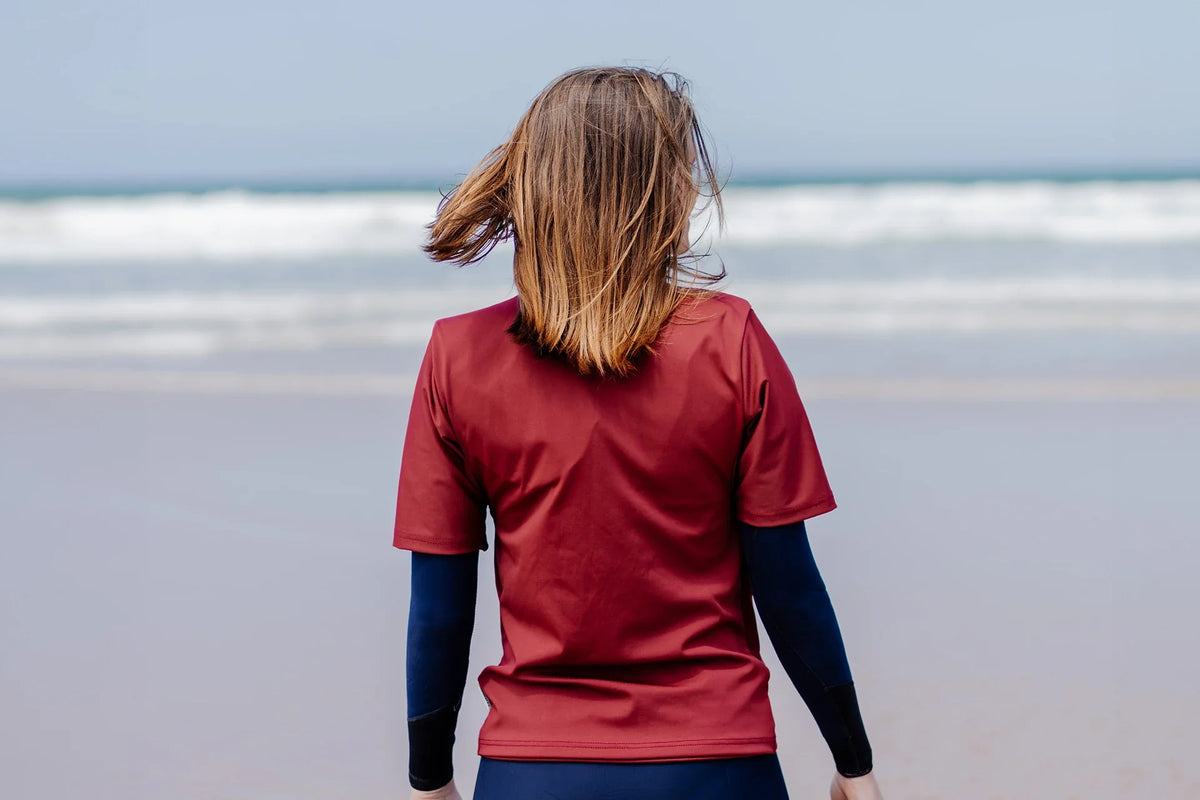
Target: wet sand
[(201, 600)]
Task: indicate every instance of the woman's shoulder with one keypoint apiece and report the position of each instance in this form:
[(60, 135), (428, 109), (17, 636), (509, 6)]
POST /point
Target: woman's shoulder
[(730, 310), (735, 302), (469, 323)]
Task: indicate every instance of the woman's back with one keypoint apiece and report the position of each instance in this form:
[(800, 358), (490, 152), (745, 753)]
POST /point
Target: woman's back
[(618, 422), (628, 631)]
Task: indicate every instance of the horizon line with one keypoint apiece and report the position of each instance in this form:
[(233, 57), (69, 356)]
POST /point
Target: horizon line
[(750, 178)]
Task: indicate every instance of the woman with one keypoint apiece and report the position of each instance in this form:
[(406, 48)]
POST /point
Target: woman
[(648, 465)]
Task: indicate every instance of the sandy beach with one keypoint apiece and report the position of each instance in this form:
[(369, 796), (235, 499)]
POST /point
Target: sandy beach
[(201, 599)]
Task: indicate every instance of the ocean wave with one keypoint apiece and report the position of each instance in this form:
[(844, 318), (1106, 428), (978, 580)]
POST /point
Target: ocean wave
[(242, 225), (187, 324), (1086, 212), (241, 307), (213, 226)]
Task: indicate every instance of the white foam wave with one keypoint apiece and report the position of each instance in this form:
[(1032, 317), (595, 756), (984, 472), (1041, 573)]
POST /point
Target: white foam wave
[(1086, 212), (199, 324), (244, 307), (197, 341), (239, 225), (215, 226)]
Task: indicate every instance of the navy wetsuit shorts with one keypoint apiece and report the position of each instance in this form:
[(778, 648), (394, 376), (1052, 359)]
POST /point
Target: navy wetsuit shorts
[(758, 777)]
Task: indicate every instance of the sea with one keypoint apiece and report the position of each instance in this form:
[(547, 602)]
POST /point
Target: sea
[(1088, 277)]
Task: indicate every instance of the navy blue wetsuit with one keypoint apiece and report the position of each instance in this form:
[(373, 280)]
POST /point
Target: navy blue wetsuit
[(796, 613)]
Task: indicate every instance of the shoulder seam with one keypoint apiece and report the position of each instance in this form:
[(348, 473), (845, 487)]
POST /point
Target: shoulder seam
[(476, 312), (741, 394)]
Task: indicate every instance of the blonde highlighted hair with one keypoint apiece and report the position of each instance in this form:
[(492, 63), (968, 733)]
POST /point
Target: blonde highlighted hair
[(596, 187)]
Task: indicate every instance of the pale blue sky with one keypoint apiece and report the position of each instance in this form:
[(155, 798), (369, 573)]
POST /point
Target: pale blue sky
[(159, 89)]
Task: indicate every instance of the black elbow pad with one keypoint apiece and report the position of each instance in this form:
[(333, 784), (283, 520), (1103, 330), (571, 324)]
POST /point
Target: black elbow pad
[(431, 748)]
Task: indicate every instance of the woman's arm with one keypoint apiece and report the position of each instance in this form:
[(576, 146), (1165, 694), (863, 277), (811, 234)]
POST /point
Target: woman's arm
[(799, 618), (441, 620)]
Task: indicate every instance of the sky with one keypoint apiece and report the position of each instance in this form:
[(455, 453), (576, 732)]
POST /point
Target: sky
[(161, 90)]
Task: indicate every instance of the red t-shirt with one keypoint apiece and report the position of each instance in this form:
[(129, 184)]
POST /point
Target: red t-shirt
[(627, 631)]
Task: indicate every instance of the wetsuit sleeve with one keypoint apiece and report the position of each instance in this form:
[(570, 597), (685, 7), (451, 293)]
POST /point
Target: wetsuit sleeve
[(798, 616), (441, 620)]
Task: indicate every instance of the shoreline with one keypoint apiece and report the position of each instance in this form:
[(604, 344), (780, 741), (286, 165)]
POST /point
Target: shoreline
[(374, 384)]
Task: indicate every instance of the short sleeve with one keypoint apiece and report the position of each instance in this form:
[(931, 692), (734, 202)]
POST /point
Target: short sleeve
[(780, 477), (440, 507)]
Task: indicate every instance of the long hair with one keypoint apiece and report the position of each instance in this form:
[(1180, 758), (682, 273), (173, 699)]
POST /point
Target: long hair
[(596, 187)]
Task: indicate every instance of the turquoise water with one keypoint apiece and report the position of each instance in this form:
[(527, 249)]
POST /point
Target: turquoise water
[(17, 191)]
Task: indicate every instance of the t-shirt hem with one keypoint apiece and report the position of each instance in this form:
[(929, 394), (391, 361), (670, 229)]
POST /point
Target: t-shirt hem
[(440, 546), (641, 752), (822, 506)]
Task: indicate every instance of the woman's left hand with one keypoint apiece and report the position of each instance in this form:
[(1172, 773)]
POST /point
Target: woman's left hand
[(447, 792)]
